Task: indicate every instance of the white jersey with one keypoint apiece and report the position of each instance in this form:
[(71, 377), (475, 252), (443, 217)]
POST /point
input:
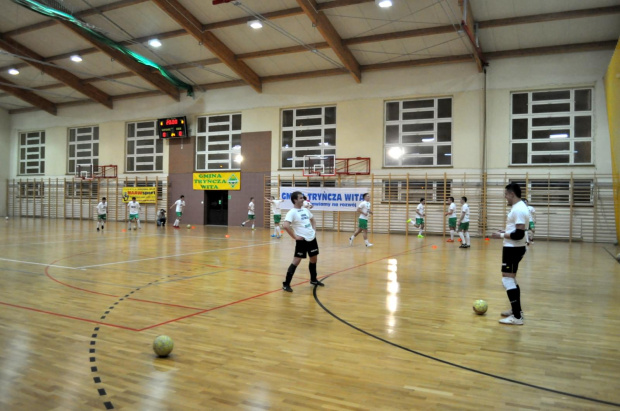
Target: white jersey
[(420, 211), (300, 223), (251, 208), (180, 204), (102, 208), (364, 207), (134, 207), (275, 207), (519, 214), (532, 211), (465, 209), (452, 211)]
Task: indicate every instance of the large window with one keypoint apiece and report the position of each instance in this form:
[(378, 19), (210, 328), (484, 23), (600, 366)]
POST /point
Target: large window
[(307, 131), (418, 133), (145, 151), (218, 142), (558, 192), (551, 127), (32, 153), (83, 147)]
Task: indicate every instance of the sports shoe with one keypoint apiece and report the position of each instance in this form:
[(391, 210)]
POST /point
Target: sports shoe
[(102, 226), (242, 224), (273, 235), (253, 228), (420, 236), (467, 245), (512, 320), (463, 246), (351, 240), (508, 313), (368, 245), (449, 241), (287, 288), (317, 282), (97, 228)]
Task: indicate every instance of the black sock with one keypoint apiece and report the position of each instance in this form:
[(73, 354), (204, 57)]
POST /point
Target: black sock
[(290, 273), (515, 301), (312, 267)]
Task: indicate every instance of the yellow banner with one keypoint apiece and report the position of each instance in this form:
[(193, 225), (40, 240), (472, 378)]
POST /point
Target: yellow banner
[(217, 181), (142, 194)]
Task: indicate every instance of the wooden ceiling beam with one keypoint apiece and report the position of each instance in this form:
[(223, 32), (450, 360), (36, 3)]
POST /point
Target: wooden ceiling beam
[(60, 74), (331, 36), (565, 48), (29, 97), (539, 18), (139, 69), (194, 27), (468, 25)]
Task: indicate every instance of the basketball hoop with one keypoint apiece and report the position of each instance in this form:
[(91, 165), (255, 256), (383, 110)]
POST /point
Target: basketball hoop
[(319, 165)]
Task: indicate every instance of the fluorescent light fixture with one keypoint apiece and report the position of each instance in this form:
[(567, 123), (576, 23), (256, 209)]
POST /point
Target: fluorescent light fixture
[(239, 158), (76, 58), (255, 24), (448, 154), (426, 140), (384, 4), (395, 152), (558, 136), (154, 43), (13, 71)]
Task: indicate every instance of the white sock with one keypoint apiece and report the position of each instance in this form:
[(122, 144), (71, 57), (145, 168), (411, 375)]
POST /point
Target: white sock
[(97, 224), (176, 223), (467, 238), (420, 233), (452, 235), (252, 225), (509, 283), (277, 230), (139, 225), (462, 238)]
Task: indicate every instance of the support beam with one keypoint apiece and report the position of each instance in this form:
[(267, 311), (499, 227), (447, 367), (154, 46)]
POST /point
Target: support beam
[(29, 97), (467, 23), (139, 69), (565, 48), (539, 18), (331, 36), (60, 74), (194, 27)]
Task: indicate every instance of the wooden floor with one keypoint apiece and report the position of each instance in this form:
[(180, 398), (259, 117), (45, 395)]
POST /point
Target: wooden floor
[(392, 329)]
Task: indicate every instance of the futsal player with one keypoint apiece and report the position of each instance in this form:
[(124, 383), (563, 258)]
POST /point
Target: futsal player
[(102, 213), (451, 214), (463, 224), (250, 213), (180, 205), (277, 215), (362, 222), (134, 213)]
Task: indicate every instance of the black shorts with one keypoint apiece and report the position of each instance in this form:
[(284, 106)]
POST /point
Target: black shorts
[(510, 259), (303, 247)]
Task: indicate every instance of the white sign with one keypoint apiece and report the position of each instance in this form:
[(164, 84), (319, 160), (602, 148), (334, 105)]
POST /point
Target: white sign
[(325, 198)]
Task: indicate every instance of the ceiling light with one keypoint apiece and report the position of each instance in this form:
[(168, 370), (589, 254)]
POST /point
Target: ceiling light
[(255, 24), (76, 58), (239, 158), (395, 152), (154, 43), (426, 140), (13, 71), (558, 136), (384, 4)]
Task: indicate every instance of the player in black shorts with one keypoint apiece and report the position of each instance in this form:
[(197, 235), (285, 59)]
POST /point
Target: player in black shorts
[(300, 225)]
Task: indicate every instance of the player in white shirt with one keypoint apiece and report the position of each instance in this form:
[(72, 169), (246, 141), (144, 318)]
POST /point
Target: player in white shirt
[(307, 204), (300, 225), (419, 218), (513, 251), (463, 224), (451, 214), (102, 213), (364, 209), (250, 213), (277, 215), (134, 213), (532, 225), (180, 205)]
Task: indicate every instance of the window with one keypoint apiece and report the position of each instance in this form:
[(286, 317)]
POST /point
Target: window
[(558, 192), (551, 127), (148, 184), (433, 191), (145, 151), (82, 189), (30, 189), (307, 131), (218, 142), (311, 183), (418, 133), (32, 153), (83, 147)]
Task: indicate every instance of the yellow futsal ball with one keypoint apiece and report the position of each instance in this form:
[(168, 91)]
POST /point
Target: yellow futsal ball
[(163, 345), (480, 307), (189, 226)]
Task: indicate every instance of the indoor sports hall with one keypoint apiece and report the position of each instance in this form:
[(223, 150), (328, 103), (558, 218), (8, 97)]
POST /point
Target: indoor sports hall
[(139, 135)]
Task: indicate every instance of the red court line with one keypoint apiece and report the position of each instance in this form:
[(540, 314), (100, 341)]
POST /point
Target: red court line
[(68, 316)]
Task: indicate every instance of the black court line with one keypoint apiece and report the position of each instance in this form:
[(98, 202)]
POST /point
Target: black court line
[(462, 367)]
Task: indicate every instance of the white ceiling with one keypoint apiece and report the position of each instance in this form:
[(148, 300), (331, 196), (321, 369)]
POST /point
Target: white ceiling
[(139, 20)]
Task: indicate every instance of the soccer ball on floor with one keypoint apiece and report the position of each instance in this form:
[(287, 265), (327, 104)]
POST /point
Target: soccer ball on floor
[(189, 226), (163, 345), (480, 307)]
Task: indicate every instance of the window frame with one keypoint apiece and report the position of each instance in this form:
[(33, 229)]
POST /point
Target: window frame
[(93, 158), (398, 190), (157, 146), (233, 142), (25, 151)]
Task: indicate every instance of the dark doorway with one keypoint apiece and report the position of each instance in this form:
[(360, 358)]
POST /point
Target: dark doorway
[(216, 207)]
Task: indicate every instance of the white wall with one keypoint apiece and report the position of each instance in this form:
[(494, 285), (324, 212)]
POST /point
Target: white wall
[(359, 113)]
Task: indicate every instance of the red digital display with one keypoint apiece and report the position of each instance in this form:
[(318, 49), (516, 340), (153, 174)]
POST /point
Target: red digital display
[(174, 127)]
